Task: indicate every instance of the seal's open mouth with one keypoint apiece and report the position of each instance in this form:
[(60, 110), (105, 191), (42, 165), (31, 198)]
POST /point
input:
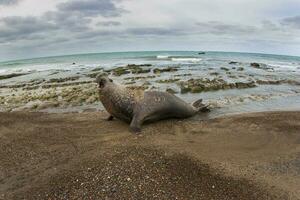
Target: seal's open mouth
[(101, 84)]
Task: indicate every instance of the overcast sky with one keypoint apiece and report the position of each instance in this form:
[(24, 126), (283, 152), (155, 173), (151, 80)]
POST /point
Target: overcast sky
[(34, 28)]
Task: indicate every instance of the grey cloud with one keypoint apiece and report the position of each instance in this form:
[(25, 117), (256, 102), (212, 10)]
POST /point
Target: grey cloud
[(149, 31), (70, 17), (109, 23), (9, 2), (77, 15), (105, 8), (292, 21), (219, 28), (67, 21), (15, 28), (155, 31), (93, 34), (268, 25)]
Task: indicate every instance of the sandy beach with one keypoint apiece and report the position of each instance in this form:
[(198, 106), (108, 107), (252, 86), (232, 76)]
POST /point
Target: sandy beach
[(82, 156)]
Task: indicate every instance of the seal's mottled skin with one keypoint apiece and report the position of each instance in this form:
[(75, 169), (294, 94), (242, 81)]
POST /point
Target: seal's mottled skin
[(138, 106)]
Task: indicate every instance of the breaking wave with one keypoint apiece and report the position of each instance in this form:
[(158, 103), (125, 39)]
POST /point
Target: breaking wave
[(179, 58)]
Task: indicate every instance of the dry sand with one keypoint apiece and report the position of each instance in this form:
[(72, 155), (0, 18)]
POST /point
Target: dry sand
[(82, 156)]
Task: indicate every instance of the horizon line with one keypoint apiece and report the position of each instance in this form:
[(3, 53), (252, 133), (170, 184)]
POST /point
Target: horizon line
[(111, 52)]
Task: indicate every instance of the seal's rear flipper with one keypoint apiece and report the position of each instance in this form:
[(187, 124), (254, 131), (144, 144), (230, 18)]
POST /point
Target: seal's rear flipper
[(200, 106)]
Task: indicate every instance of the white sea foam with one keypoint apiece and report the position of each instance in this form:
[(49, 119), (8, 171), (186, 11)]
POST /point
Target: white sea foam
[(178, 58), (3, 71), (192, 60), (284, 66), (40, 68), (162, 57)]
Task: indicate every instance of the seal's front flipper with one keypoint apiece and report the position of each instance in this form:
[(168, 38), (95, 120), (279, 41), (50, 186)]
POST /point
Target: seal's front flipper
[(110, 118), (136, 125), (135, 129)]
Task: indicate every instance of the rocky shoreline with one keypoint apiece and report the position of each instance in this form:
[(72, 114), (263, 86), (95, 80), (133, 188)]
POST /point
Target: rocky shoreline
[(78, 89)]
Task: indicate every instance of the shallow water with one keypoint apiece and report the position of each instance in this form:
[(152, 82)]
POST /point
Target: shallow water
[(46, 76)]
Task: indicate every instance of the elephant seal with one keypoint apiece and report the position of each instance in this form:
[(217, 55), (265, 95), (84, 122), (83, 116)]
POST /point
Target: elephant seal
[(138, 106)]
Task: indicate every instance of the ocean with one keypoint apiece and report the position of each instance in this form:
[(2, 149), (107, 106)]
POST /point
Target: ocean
[(230, 82), (153, 57)]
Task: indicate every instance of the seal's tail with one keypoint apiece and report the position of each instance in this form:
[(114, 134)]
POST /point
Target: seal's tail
[(200, 106)]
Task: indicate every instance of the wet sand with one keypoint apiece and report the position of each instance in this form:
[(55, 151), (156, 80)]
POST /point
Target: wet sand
[(82, 156)]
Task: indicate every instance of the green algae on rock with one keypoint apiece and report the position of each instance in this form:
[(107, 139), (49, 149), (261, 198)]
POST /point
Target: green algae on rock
[(134, 69), (204, 84), (170, 90), (60, 80), (7, 76), (161, 70), (224, 68), (168, 80)]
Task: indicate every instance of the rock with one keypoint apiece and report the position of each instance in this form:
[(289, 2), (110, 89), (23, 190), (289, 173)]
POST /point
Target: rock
[(233, 63), (65, 84), (268, 82), (53, 73), (138, 87), (214, 74), (92, 75), (261, 66), (97, 69), (134, 69), (140, 71), (47, 104), (178, 75), (240, 69), (224, 68), (167, 81), (197, 89), (232, 76), (168, 69), (170, 90), (185, 90), (241, 85), (60, 80), (7, 76), (120, 71), (256, 65), (91, 99), (130, 83), (147, 83), (138, 77), (201, 85), (141, 65)]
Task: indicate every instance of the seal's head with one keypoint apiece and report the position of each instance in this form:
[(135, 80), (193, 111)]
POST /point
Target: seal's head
[(102, 80)]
